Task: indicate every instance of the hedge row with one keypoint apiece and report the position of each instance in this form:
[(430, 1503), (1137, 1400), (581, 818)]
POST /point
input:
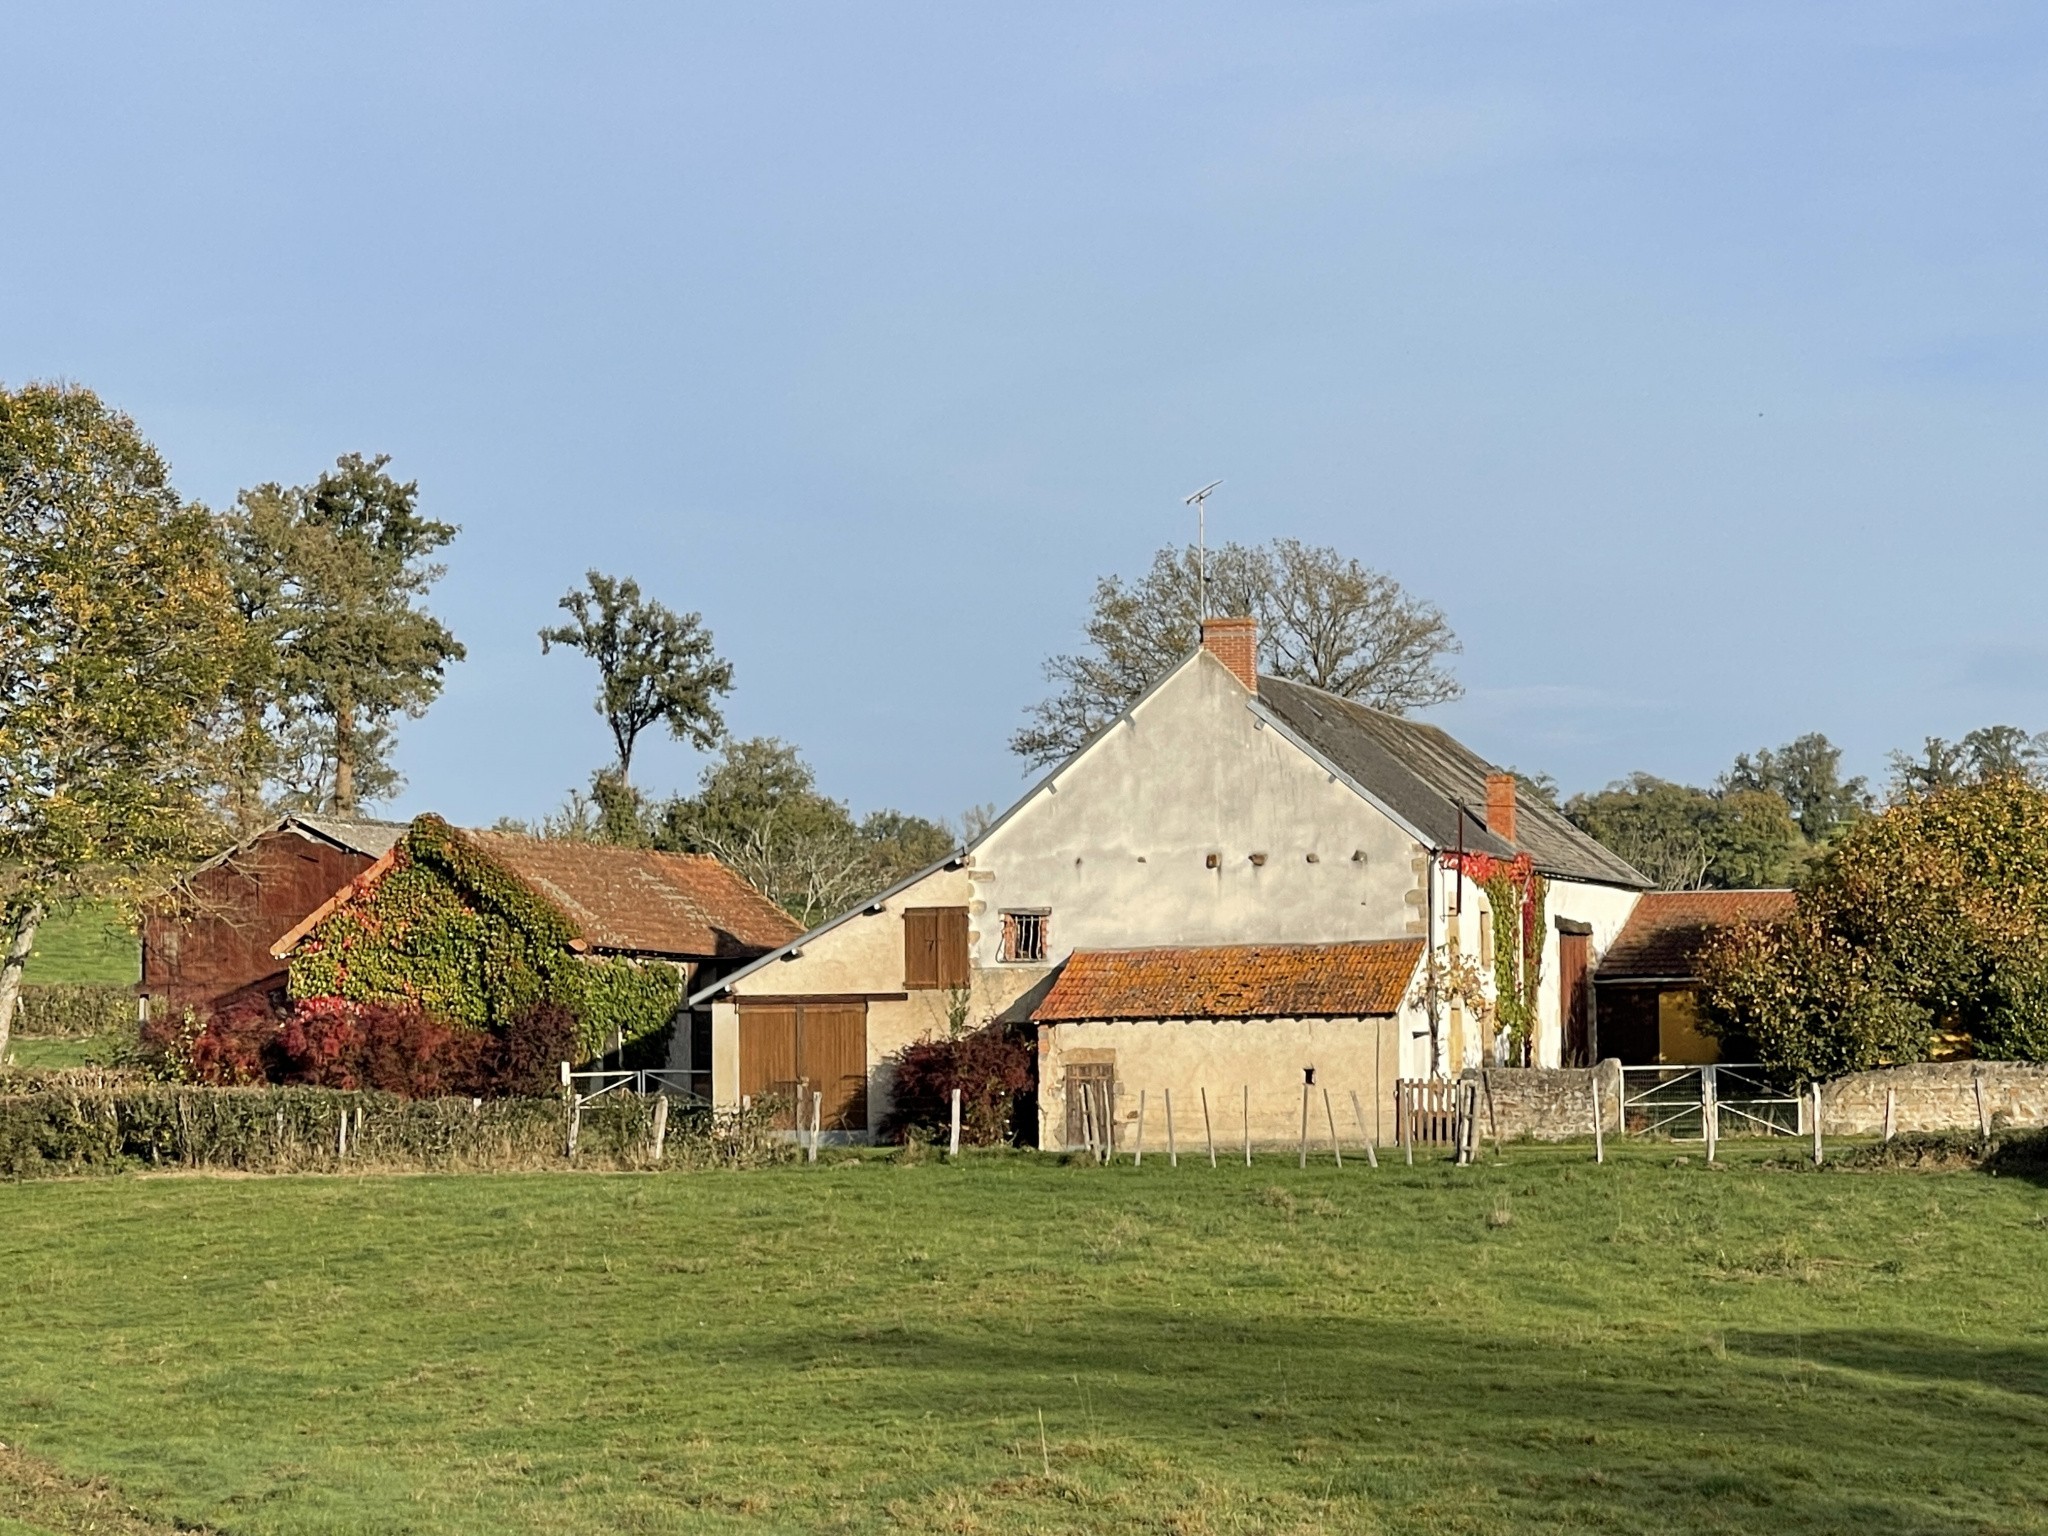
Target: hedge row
[(73, 1012), (53, 1125)]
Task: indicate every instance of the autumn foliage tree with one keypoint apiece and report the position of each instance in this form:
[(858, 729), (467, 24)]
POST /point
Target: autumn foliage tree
[(1923, 931), (118, 641)]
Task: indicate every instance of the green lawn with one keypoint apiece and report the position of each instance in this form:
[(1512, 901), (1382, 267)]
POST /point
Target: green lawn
[(36, 1051), (93, 944), (1541, 1345)]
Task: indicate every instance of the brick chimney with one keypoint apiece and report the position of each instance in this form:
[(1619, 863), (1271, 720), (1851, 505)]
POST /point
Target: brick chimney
[(1500, 805), (1235, 643)]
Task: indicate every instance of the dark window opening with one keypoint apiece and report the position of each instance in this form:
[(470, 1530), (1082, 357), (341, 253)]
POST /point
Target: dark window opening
[(1026, 935)]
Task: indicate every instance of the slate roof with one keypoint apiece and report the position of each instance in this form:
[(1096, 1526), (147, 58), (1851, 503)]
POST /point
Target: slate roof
[(1661, 939), (638, 901), (1423, 775), (1233, 981)]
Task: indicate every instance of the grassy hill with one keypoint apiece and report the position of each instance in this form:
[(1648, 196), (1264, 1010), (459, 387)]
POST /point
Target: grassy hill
[(93, 944), (1017, 1345)]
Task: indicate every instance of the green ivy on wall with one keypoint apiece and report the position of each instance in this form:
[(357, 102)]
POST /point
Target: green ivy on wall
[(452, 931)]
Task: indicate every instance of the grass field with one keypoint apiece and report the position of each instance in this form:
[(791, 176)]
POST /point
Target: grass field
[(1541, 1345), (89, 945)]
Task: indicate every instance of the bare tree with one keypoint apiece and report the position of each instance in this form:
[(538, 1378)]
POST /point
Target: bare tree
[(1324, 619)]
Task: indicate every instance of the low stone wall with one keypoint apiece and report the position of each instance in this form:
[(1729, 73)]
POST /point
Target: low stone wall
[(1936, 1096), (1547, 1103)]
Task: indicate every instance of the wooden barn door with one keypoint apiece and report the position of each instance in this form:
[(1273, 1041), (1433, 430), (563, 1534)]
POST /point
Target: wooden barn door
[(832, 1057), (790, 1051), (1573, 1011), (768, 1053)]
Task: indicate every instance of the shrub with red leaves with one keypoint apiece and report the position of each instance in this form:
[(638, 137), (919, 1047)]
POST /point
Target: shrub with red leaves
[(996, 1071), (327, 1042)]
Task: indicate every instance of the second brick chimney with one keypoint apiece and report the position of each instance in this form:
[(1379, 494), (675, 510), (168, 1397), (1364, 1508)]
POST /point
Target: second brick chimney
[(1235, 643), (1500, 805)]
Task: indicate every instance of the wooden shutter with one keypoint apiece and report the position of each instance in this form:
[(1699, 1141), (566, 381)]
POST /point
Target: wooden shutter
[(953, 947), (921, 947)]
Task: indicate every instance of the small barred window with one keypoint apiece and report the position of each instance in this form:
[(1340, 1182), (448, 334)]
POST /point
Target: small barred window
[(1025, 935)]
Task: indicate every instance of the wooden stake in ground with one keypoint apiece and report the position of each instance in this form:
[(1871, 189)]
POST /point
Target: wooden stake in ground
[(1891, 1113), (575, 1123), (817, 1122), (1817, 1155), (1599, 1129), (1492, 1118), (1247, 1125), (1044, 1451), (1304, 1123), (1710, 1109), (1983, 1111), (1172, 1146), (660, 1126), (1138, 1146), (953, 1146), (1330, 1115), (1364, 1135), (1208, 1131), (1404, 1111)]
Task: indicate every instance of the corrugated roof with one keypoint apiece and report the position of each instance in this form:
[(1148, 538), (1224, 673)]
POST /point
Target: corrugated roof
[(1423, 775), (1234, 981), (638, 901), (375, 838), (1661, 939)]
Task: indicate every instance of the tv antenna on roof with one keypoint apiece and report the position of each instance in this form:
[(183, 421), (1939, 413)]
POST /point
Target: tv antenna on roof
[(1200, 502)]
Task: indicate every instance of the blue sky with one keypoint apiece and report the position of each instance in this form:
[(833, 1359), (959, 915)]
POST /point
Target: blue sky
[(1693, 357)]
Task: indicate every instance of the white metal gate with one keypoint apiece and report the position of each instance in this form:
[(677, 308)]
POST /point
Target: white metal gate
[(1676, 1101)]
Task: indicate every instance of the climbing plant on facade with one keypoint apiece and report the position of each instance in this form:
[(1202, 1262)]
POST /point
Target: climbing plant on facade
[(1517, 897), (450, 931)]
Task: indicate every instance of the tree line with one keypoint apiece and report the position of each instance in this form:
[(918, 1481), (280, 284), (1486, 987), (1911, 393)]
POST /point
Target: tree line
[(1765, 820)]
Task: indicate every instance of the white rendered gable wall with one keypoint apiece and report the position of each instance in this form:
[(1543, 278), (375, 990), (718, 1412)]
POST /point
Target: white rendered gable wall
[(1118, 848)]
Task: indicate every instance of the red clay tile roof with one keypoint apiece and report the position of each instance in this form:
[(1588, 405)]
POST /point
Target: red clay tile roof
[(1662, 937), (638, 901), (1234, 981)]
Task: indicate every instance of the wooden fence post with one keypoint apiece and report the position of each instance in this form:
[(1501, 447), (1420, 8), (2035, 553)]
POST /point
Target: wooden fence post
[(1172, 1146), (1304, 1122), (1208, 1131), (1330, 1115), (1599, 1126), (1404, 1112), (1364, 1135), (1710, 1109), (1891, 1113), (1492, 1117), (953, 1147), (1247, 1125), (660, 1125), (1138, 1147), (817, 1122), (1983, 1110), (1817, 1154)]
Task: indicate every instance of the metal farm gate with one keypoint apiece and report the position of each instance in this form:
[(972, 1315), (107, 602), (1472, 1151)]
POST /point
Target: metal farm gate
[(1677, 1101)]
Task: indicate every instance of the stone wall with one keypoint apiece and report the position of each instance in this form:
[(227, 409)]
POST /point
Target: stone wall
[(1936, 1096), (1547, 1103)]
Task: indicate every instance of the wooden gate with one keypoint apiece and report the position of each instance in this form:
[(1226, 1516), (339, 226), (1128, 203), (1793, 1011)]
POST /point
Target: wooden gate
[(790, 1051), (1427, 1108)]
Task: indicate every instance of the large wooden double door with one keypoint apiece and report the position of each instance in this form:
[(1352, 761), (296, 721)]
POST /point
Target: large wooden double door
[(790, 1051)]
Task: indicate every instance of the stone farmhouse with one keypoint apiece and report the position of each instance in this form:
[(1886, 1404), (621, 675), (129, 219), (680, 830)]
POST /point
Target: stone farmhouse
[(1233, 888)]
